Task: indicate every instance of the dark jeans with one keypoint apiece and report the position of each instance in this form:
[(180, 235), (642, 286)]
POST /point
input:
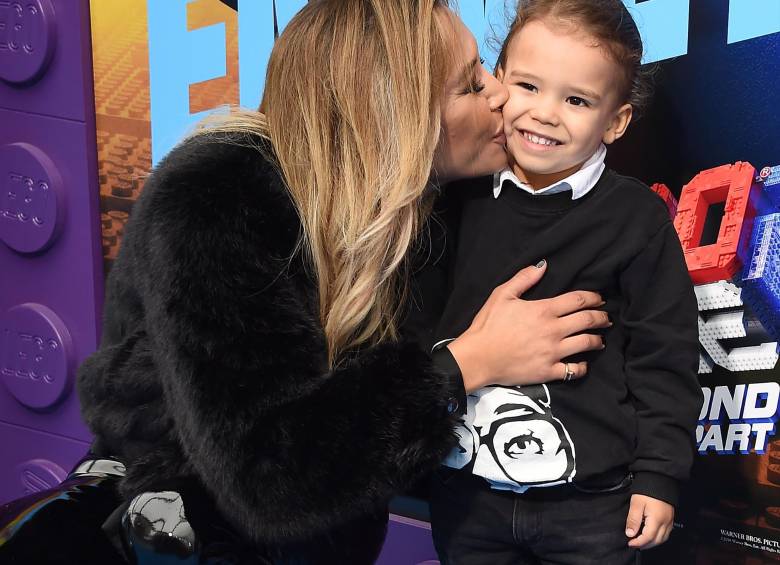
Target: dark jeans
[(475, 525)]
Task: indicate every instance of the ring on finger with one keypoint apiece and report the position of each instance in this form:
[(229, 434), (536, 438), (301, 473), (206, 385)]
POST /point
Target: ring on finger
[(569, 374)]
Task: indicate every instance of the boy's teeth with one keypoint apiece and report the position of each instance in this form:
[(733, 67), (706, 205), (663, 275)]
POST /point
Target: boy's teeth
[(539, 140)]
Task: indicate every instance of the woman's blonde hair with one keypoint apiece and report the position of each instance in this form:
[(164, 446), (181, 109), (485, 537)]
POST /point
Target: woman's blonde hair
[(352, 107)]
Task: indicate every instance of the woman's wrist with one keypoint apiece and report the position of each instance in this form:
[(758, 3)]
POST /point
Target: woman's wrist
[(471, 368), (445, 363)]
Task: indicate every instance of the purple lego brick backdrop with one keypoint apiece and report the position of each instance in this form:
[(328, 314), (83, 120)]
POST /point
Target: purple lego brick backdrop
[(408, 542), (66, 277), (51, 288), (44, 65), (34, 461)]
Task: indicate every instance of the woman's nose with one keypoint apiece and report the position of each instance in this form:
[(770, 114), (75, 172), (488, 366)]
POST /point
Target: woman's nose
[(497, 93)]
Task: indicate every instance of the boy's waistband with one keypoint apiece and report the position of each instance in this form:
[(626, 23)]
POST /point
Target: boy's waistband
[(614, 481)]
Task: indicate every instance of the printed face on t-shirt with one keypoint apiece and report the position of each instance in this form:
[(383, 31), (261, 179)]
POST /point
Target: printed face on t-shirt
[(524, 439), (511, 437)]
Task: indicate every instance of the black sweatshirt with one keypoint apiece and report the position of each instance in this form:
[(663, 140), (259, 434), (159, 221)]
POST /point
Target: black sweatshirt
[(636, 409)]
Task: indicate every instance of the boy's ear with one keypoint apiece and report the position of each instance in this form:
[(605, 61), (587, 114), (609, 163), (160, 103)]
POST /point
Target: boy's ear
[(619, 124)]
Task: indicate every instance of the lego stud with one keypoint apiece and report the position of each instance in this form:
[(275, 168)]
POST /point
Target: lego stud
[(36, 356), (31, 203), (37, 475), (28, 37)]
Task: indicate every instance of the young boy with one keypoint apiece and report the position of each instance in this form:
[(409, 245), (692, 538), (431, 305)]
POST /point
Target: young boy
[(587, 470)]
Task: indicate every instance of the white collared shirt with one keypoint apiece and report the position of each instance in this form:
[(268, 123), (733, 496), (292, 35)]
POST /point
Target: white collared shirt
[(580, 182)]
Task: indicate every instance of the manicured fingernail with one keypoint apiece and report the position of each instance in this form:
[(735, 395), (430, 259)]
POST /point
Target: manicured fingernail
[(630, 533), (541, 264)]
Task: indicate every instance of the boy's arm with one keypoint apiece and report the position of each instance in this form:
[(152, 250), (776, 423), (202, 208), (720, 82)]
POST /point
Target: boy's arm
[(661, 364)]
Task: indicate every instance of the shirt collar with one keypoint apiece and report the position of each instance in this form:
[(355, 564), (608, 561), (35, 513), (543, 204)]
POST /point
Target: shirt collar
[(580, 182)]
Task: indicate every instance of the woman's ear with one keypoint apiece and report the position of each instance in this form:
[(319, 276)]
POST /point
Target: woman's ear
[(619, 124)]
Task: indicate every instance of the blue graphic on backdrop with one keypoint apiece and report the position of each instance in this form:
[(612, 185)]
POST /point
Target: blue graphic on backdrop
[(753, 18), (663, 25), (739, 419), (761, 280), (179, 58)]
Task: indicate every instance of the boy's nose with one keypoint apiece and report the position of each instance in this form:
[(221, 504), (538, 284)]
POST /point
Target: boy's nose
[(497, 93), (544, 111)]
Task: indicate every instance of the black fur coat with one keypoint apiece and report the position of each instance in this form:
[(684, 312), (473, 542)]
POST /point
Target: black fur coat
[(212, 364)]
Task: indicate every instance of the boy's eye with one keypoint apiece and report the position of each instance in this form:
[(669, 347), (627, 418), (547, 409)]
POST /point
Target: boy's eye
[(577, 101), (527, 86)]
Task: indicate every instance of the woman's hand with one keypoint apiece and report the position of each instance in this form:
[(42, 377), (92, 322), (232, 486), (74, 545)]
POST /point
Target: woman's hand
[(516, 342)]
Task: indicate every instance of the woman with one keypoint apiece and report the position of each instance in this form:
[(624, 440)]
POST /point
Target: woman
[(250, 351)]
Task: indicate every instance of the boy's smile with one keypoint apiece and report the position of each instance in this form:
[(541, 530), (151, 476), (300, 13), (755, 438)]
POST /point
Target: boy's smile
[(564, 101), (538, 142)]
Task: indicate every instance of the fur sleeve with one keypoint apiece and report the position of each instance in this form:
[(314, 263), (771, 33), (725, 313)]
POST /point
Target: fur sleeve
[(286, 447)]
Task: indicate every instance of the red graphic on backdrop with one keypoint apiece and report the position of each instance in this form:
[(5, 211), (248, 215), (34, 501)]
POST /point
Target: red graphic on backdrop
[(666, 195), (732, 184)]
